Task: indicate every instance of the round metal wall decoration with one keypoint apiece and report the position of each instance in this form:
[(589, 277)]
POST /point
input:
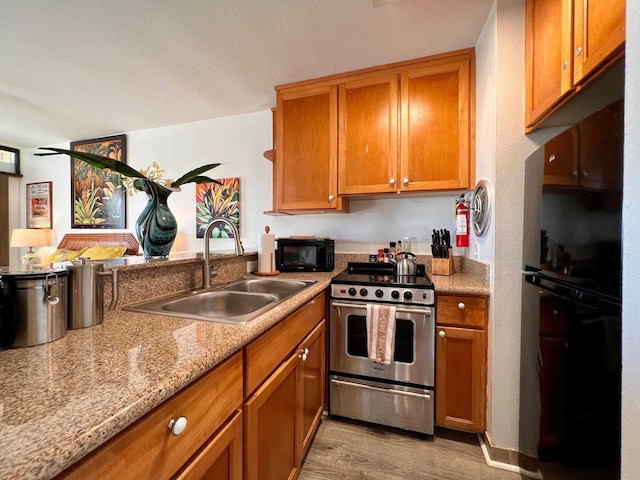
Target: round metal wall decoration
[(481, 207)]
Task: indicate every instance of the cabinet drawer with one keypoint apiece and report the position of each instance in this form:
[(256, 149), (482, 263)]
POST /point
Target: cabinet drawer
[(267, 352), (461, 310), (148, 449)]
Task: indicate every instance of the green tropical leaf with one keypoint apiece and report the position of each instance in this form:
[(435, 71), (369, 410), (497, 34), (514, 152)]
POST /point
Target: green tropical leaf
[(194, 176), (97, 161)]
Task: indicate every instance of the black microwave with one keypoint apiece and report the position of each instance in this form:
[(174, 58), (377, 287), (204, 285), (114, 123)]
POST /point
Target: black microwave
[(305, 254)]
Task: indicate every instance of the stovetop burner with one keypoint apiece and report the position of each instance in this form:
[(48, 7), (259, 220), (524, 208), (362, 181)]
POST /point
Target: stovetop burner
[(377, 282), (382, 274)]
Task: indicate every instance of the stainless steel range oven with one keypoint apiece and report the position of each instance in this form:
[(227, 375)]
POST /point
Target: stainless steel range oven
[(399, 394)]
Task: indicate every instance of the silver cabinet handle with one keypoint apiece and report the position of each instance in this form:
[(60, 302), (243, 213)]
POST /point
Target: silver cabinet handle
[(178, 425), (461, 306), (578, 50), (565, 65), (383, 390), (442, 333), (331, 197), (392, 181), (405, 181)]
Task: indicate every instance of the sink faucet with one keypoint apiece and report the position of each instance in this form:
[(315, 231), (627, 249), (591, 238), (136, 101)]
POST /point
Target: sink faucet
[(207, 236)]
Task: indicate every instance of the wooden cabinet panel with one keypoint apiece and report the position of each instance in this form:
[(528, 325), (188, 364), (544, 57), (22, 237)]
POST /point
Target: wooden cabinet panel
[(221, 457), (270, 426), (267, 352), (306, 176), (368, 139), (460, 378), (313, 384), (549, 55), (461, 310), (568, 43), (599, 32), (436, 147), (148, 449)]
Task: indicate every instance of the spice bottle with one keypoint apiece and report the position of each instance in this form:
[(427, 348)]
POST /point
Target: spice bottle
[(399, 248), (392, 251), (385, 253), (380, 255)]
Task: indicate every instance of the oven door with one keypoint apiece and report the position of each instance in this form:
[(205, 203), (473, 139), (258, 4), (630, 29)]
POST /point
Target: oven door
[(414, 350)]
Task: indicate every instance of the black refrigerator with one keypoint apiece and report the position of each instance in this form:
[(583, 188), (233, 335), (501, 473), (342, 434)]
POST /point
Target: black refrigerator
[(571, 308)]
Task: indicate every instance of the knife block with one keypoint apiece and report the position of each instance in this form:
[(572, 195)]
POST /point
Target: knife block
[(443, 266)]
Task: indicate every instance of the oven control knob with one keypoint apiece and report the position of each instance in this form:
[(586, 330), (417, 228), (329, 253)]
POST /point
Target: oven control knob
[(379, 293), (363, 292), (395, 294), (352, 292), (408, 295)]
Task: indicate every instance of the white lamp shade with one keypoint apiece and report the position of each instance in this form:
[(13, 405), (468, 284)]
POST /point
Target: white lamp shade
[(30, 237)]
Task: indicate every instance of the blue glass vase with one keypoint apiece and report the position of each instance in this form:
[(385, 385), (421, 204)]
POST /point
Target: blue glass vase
[(156, 227)]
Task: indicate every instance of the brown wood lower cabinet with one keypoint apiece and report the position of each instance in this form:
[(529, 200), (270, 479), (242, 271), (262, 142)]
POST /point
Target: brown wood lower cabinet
[(282, 416), (461, 362), (148, 449), (221, 457)]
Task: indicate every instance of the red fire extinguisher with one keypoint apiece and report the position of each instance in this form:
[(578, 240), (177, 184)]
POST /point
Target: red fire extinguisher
[(462, 222)]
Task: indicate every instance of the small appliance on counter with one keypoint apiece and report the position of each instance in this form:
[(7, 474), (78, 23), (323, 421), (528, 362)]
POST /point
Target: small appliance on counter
[(305, 254), (33, 306)]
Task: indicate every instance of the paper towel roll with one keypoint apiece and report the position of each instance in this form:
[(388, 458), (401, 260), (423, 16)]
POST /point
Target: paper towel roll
[(266, 252)]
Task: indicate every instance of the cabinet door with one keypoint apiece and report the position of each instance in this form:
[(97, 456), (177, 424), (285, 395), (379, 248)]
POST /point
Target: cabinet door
[(270, 426), (437, 150), (313, 378), (221, 458), (368, 138), (460, 378), (307, 149), (599, 34), (548, 55)]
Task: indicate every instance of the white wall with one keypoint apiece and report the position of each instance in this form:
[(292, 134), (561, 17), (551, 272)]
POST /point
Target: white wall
[(239, 142), (631, 253)]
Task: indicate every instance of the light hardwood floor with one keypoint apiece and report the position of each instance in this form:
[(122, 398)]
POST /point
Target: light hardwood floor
[(344, 450)]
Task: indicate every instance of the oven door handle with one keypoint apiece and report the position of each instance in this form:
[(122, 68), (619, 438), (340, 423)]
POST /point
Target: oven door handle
[(383, 390), (363, 306)]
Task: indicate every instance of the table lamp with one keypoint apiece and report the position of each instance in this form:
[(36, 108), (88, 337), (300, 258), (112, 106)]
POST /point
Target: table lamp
[(30, 237)]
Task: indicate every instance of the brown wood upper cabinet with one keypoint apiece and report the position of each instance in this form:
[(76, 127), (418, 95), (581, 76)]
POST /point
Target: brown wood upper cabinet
[(306, 173), (407, 129), (403, 127), (568, 44)]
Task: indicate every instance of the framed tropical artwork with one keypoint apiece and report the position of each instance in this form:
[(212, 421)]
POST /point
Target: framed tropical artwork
[(213, 201), (98, 197)]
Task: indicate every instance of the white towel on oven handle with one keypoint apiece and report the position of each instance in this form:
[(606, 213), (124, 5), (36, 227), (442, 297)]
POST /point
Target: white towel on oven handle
[(381, 332)]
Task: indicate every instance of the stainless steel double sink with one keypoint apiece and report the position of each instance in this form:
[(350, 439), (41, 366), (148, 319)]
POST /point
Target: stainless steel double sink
[(236, 302)]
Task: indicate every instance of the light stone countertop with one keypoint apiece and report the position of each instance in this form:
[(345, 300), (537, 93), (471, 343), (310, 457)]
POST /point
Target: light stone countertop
[(61, 400)]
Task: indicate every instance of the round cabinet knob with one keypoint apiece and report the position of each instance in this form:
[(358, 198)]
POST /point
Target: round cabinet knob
[(379, 293), (392, 181), (578, 50), (177, 426), (555, 312), (405, 181), (441, 333), (461, 306), (565, 65), (552, 157), (331, 197)]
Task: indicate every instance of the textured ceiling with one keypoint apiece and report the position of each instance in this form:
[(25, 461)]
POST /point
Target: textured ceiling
[(77, 69)]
